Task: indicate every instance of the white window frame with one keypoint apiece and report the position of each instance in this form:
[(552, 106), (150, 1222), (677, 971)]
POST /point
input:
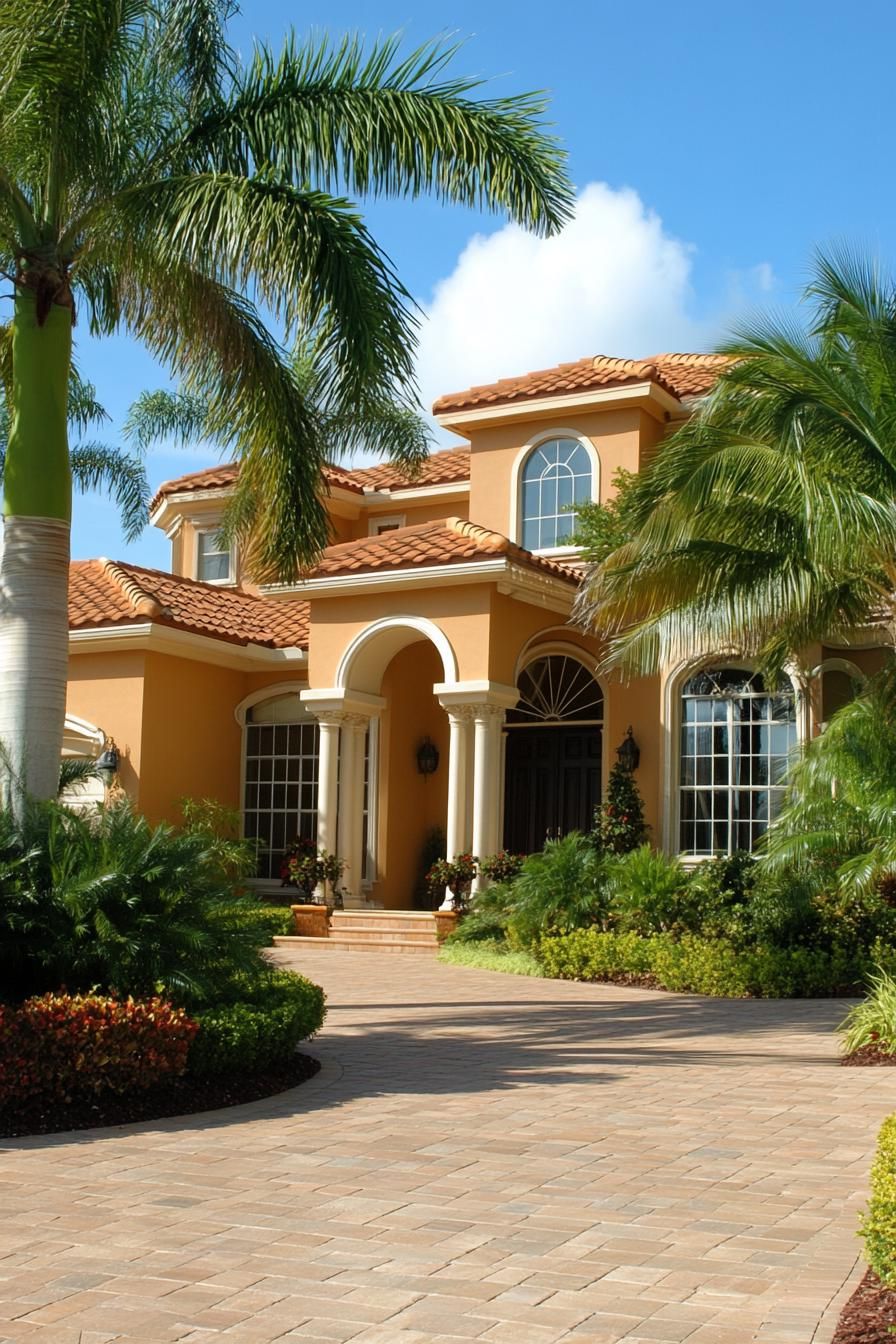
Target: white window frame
[(385, 523), (516, 483), (211, 530), (671, 740)]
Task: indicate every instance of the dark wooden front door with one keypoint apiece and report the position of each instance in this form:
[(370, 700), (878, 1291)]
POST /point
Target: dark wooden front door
[(552, 784)]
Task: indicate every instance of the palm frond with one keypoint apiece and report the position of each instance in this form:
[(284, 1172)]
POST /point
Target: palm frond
[(123, 477), (180, 417)]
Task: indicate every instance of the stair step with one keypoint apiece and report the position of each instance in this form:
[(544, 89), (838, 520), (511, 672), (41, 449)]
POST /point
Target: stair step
[(376, 938), (383, 924), (357, 945)]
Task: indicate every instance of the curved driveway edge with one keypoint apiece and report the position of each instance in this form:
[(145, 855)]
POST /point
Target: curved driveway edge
[(482, 1157)]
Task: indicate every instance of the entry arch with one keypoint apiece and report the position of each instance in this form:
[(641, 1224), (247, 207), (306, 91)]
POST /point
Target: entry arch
[(367, 656)]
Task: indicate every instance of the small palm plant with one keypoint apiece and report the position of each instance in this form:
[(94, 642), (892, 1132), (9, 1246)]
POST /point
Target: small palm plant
[(873, 1021)]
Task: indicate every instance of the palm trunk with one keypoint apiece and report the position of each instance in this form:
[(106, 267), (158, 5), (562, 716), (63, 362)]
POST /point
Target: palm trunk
[(34, 556)]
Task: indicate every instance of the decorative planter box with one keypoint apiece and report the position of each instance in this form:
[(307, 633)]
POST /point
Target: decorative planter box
[(446, 922), (311, 921)]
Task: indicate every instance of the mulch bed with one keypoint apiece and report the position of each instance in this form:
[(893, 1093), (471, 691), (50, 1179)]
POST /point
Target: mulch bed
[(869, 1054), (179, 1096), (868, 1315)]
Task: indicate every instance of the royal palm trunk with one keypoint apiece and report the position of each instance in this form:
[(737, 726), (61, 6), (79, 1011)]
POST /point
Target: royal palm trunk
[(34, 554)]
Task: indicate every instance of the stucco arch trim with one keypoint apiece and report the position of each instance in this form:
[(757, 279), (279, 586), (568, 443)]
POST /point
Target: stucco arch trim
[(367, 656), (516, 474), (81, 738)]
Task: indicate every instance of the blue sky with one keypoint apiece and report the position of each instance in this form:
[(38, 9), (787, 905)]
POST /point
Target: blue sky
[(714, 147)]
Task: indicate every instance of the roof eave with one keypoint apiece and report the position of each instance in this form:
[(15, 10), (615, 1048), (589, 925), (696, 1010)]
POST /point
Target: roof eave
[(152, 636), (650, 395)]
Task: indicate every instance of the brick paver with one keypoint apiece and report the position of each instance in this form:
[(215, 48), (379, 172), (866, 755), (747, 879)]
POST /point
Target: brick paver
[(481, 1158)]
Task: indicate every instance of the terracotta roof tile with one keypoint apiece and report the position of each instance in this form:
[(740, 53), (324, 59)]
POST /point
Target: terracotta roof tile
[(453, 464), (105, 593), (445, 541), (682, 375)]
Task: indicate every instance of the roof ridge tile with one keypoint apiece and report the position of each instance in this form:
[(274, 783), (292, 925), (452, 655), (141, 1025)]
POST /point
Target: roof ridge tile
[(143, 603)]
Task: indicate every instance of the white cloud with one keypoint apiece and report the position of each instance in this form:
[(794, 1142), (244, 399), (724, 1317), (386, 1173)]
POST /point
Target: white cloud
[(613, 282)]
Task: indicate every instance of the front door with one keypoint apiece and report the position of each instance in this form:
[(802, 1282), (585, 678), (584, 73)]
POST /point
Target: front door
[(552, 783)]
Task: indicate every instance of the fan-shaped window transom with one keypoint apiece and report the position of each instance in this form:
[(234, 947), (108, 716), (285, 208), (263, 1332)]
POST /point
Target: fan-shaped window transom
[(557, 689)]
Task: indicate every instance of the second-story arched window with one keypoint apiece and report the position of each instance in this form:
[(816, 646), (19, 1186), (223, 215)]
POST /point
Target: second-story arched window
[(556, 476)]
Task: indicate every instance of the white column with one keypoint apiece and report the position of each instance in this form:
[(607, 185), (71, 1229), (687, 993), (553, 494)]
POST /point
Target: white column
[(487, 723), (327, 777), (351, 801), (459, 720)]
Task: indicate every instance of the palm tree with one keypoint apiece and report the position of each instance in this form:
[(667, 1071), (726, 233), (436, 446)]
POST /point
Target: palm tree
[(768, 521), (151, 182)]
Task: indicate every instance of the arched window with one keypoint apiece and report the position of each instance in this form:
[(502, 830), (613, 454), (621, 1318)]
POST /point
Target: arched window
[(557, 689), (737, 734), (557, 476), (281, 744)]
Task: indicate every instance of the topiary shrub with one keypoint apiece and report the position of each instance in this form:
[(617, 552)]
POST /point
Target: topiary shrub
[(619, 824), (879, 1223), (259, 1027), (63, 1046)]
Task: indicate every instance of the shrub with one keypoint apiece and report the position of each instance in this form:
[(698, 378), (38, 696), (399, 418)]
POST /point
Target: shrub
[(220, 828), (259, 1026), (270, 921), (702, 966), (502, 867), (619, 825), (649, 892), (61, 1046), (720, 889), (879, 1223), (562, 888), (487, 918), (873, 1021), (107, 900)]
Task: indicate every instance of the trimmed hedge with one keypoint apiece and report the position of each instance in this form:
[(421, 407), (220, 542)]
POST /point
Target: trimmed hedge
[(703, 966), (61, 1046), (879, 1223), (271, 921), (261, 1029)]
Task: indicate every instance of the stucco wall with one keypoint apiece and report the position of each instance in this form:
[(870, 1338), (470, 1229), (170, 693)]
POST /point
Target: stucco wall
[(106, 689)]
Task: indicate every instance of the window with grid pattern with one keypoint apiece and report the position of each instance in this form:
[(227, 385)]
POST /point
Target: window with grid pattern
[(280, 798), (557, 475), (736, 738), (213, 558)]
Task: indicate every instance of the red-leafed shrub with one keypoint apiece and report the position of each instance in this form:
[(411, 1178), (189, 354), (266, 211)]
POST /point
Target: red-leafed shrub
[(61, 1046)]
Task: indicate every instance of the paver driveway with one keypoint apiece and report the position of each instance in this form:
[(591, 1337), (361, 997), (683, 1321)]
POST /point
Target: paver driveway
[(482, 1157)]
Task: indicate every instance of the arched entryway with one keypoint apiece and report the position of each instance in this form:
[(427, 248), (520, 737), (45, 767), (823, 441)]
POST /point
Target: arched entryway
[(554, 753)]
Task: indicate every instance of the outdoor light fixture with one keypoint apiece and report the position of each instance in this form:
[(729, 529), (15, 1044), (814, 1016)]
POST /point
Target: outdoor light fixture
[(427, 757), (629, 752), (108, 763)]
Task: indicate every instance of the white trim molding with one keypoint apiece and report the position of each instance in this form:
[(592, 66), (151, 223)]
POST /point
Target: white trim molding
[(516, 481), (390, 629), (385, 522), (655, 399), (272, 692), (150, 637)]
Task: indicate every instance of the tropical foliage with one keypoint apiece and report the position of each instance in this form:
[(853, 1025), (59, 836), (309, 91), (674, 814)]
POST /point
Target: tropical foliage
[(154, 183), (767, 520)]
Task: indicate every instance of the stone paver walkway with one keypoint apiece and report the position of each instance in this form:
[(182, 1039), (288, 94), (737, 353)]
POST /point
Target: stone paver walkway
[(481, 1157)]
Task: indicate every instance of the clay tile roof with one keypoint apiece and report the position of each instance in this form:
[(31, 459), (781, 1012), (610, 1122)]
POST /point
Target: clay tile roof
[(442, 542), (104, 593), (443, 468), (682, 375)]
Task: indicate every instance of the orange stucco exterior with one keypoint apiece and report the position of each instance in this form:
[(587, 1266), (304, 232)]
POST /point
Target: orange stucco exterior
[(397, 651)]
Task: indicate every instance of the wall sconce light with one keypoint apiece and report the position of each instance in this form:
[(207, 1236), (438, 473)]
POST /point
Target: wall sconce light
[(427, 757), (629, 752), (108, 762)]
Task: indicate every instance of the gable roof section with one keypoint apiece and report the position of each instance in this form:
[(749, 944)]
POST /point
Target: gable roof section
[(442, 468), (681, 375), (447, 541), (104, 593)]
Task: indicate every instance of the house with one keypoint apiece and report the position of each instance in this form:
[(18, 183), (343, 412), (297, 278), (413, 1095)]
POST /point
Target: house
[(425, 674)]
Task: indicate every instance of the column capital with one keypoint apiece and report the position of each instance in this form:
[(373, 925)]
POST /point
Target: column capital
[(476, 694), (336, 704)]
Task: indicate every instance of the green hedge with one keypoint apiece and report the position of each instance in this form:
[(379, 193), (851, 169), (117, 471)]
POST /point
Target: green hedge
[(490, 955), (879, 1224), (260, 1030), (273, 921), (703, 966)]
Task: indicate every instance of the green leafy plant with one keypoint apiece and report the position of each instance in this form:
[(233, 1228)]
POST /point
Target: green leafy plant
[(502, 867), (619, 824), (220, 827), (258, 1025), (490, 955), (648, 892), (308, 868), (603, 528), (111, 901), (487, 917), (455, 875), (562, 888), (61, 1046), (873, 1021), (879, 1223)]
